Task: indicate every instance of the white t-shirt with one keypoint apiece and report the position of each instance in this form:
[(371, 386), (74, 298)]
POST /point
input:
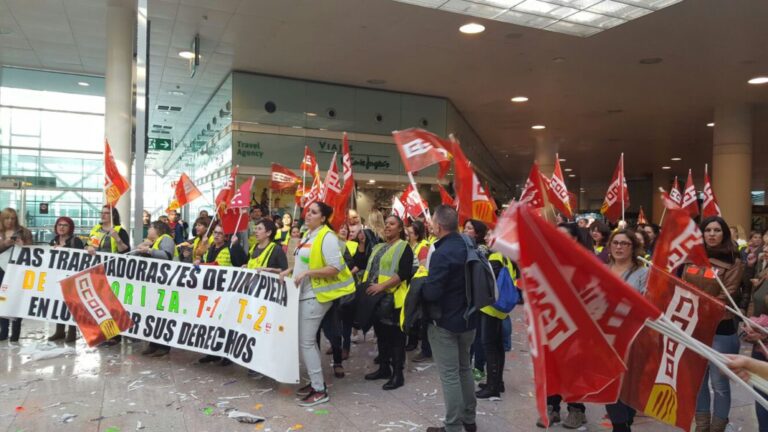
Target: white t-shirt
[(331, 254)]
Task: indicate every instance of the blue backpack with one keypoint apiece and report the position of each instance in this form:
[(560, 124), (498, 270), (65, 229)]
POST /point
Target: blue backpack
[(508, 295)]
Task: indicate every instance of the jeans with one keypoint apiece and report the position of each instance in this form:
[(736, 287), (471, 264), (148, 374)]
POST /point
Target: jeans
[(311, 313), (506, 332), (762, 413), (451, 353), (727, 344)]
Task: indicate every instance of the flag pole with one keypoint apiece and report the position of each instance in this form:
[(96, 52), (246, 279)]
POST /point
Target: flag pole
[(421, 201), (622, 181), (663, 211), (303, 181)]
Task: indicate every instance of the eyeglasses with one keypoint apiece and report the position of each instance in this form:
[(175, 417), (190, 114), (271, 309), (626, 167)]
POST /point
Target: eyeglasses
[(621, 243), (63, 225)]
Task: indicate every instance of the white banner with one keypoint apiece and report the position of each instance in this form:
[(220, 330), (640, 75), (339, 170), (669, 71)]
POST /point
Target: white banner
[(246, 316)]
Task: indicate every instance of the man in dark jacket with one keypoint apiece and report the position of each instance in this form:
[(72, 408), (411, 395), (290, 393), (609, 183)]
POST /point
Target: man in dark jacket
[(450, 334)]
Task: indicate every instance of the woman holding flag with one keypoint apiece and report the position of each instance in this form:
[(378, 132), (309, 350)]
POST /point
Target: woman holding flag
[(109, 236), (726, 266), (322, 277)]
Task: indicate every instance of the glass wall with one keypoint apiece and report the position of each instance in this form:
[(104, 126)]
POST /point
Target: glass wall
[(51, 141)]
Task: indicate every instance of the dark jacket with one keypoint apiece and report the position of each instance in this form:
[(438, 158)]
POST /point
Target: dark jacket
[(445, 284), (73, 242)]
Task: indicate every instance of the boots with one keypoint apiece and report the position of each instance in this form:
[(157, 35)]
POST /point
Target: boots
[(384, 372), (702, 421), (718, 424), (59, 334), (71, 334), (15, 329), (398, 363), (397, 380), (492, 388)]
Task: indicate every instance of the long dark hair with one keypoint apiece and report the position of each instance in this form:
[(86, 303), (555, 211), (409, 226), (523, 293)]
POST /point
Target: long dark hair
[(636, 249), (603, 229), (581, 235), (727, 249), (481, 230), (399, 224), (115, 215), (419, 229), (325, 210)]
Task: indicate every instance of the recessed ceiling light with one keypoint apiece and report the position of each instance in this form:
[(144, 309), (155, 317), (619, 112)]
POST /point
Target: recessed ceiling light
[(568, 169), (371, 181), (176, 92), (538, 127), (297, 127), (472, 28), (666, 167), (519, 99), (571, 175), (562, 160), (186, 54), (582, 190), (676, 159), (83, 84), (759, 80), (712, 124), (311, 114)]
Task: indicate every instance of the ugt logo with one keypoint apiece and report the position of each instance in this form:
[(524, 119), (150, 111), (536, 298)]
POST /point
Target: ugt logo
[(417, 147)]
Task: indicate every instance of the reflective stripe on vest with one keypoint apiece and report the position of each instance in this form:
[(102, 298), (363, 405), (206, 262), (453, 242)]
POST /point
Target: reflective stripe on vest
[(388, 267), (223, 258), (262, 260), (97, 238), (156, 245), (331, 288), (492, 311)]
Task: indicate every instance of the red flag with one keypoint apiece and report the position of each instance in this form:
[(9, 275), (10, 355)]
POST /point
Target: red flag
[(483, 207), (420, 149), (225, 194), (680, 241), (309, 162), (282, 178), (675, 194), (312, 196), (341, 206), (689, 197), (97, 311), (532, 194), (561, 329), (398, 209), (115, 185), (445, 197), (558, 193), (641, 219), (617, 194), (664, 377), (332, 185), (412, 201), (473, 200), (242, 198), (186, 191), (235, 217), (709, 207)]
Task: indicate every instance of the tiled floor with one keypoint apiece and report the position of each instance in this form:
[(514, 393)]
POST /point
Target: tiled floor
[(116, 389)]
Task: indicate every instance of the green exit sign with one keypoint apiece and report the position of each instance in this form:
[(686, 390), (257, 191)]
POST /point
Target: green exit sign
[(160, 144)]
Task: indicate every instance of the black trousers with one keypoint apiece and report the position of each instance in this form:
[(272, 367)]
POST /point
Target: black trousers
[(391, 343), (556, 400), (493, 344), (15, 326)]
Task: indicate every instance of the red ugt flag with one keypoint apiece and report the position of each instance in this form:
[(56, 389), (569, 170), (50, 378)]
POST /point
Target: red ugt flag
[(532, 192), (115, 185), (186, 191), (558, 192), (309, 162), (412, 201), (562, 332), (332, 185), (689, 197), (98, 313), (617, 194), (420, 149), (235, 217), (664, 377), (282, 178), (680, 241), (675, 194), (342, 203), (709, 207)]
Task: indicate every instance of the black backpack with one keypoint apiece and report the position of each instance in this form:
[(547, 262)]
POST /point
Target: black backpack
[(480, 282)]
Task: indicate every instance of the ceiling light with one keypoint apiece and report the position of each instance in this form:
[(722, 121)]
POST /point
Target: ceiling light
[(562, 160), (582, 190), (759, 80), (676, 159), (538, 127), (568, 169), (665, 167), (311, 114), (571, 175), (712, 124), (519, 99), (472, 28), (371, 181), (83, 84), (186, 54), (176, 93), (297, 127)]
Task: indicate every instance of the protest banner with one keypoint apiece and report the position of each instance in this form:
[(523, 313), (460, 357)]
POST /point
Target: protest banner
[(246, 316)]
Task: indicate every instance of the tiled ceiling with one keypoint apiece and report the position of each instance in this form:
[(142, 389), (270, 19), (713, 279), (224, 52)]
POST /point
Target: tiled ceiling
[(597, 96)]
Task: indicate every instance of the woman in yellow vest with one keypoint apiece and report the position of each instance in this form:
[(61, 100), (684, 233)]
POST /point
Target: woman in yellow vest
[(321, 276), (283, 234), (159, 245), (109, 236), (389, 270), (266, 253), (420, 245), (200, 242)]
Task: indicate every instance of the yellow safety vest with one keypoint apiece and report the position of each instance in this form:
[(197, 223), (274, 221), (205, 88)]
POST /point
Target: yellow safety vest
[(196, 243), (223, 258), (156, 245), (282, 237), (388, 266), (97, 238), (506, 262), (598, 249), (331, 288), (262, 260), (352, 247), (422, 244)]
